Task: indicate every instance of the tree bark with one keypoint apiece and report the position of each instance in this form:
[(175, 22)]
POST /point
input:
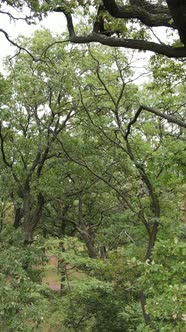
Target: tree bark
[(62, 270), (89, 241), (147, 16), (152, 229), (139, 12), (177, 9), (32, 214), (103, 252), (18, 217)]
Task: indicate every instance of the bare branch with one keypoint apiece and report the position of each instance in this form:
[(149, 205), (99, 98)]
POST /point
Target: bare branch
[(28, 19), (18, 46)]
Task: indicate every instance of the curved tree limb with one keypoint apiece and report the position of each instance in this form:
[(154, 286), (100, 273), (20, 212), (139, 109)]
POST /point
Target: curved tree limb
[(142, 45), (138, 12), (168, 117), (142, 10), (151, 7)]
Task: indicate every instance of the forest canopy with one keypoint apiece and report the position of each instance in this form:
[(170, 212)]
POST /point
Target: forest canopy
[(92, 170)]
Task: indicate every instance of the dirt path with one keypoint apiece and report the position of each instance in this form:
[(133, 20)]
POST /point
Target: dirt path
[(52, 277)]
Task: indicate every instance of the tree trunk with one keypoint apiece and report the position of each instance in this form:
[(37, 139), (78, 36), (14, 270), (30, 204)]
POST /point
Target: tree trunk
[(151, 241), (152, 230), (28, 228), (32, 214), (148, 257), (178, 12), (90, 246), (18, 217), (103, 252), (89, 238), (62, 270)]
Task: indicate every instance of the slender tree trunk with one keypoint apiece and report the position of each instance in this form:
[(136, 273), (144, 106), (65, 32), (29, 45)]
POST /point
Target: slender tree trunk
[(103, 252), (89, 239), (1, 222), (62, 270), (152, 230), (178, 12), (143, 306), (151, 241), (148, 257), (90, 247), (32, 214)]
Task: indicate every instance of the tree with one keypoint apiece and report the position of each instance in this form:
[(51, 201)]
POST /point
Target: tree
[(30, 124), (122, 19), (22, 297), (128, 24), (131, 167), (113, 175)]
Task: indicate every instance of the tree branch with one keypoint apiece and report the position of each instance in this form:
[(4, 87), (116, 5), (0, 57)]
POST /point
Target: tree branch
[(168, 117), (141, 45), (138, 12), (2, 138), (150, 7), (21, 48)]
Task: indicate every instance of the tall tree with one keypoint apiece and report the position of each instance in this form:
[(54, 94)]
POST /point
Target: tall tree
[(30, 124)]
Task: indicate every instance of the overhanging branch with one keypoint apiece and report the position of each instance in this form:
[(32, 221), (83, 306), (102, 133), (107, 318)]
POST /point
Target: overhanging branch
[(141, 45), (168, 117), (138, 12)]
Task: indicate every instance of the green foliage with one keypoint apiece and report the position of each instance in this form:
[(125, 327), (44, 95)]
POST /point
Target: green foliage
[(24, 301), (63, 135), (163, 281)]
